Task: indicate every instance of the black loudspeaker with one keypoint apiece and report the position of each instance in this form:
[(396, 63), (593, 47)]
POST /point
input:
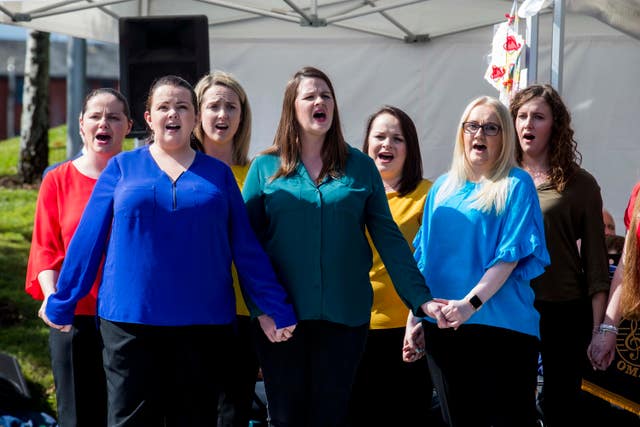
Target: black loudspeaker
[(153, 47), (14, 393)]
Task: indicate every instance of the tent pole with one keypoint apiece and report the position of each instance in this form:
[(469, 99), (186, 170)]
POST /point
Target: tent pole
[(300, 12), (52, 12), (557, 45), (533, 25), (260, 12), (372, 10), (76, 88)]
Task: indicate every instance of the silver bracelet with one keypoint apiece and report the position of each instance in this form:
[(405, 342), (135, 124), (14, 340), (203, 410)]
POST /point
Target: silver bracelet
[(606, 328)]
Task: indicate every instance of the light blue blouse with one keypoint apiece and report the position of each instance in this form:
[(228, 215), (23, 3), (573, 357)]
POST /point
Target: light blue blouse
[(456, 245)]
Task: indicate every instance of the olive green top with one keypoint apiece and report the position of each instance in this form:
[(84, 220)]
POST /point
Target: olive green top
[(574, 231)]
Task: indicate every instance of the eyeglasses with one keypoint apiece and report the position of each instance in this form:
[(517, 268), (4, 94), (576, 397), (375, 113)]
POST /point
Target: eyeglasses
[(489, 129)]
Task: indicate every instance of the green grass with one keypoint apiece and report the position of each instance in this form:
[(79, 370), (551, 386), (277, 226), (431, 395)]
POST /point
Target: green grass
[(9, 150), (26, 339)]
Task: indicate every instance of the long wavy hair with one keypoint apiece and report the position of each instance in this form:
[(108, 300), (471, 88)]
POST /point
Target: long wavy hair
[(564, 157), (630, 298), (287, 143), (412, 167), (242, 138), (494, 190)]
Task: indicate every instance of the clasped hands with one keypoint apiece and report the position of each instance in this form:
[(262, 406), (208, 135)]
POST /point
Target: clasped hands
[(601, 350), (274, 334), (447, 313), (267, 324)]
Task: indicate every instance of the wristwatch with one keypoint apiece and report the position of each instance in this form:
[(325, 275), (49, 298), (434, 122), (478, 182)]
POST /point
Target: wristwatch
[(476, 302)]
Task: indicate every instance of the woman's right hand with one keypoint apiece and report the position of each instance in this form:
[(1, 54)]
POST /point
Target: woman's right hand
[(413, 348), (433, 308), (274, 334)]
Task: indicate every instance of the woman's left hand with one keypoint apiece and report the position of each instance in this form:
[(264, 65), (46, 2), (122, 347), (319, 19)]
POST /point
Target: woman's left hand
[(601, 350), (456, 312)]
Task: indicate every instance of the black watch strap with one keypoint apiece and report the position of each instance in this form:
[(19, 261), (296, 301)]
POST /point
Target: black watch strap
[(476, 302)]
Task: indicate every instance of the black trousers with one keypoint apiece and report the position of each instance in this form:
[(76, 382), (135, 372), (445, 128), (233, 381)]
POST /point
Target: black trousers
[(485, 376), (565, 332), (236, 399), (389, 391), (162, 375), (308, 378), (76, 361)]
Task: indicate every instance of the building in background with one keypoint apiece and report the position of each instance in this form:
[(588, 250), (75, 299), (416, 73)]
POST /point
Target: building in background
[(102, 71)]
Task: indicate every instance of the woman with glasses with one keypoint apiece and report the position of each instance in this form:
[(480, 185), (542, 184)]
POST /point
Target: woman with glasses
[(573, 290), (480, 244)]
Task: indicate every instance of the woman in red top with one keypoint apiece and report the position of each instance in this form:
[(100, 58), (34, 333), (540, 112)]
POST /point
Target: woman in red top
[(76, 357)]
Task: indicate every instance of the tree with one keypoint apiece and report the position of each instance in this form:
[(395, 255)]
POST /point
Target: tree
[(34, 123)]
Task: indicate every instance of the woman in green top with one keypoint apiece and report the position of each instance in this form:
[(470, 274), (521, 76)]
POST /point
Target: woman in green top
[(571, 294), (310, 197)]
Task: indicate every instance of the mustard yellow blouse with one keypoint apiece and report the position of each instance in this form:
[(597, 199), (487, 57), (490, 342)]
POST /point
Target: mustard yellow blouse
[(240, 173), (388, 310)]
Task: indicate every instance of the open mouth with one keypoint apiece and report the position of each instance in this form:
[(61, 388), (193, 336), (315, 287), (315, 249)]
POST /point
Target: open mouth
[(479, 147), (172, 126), (387, 157), (529, 137), (103, 137), (320, 115), (221, 126)]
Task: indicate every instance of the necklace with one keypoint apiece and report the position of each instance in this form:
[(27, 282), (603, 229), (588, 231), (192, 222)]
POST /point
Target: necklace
[(538, 175)]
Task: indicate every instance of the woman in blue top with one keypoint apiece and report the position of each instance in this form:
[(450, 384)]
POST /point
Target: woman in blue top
[(168, 220), (310, 198), (481, 242)]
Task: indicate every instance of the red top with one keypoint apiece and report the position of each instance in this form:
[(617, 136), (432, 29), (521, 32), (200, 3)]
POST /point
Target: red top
[(64, 192)]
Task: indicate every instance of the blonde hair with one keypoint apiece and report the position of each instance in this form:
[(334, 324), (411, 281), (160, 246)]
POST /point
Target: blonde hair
[(242, 138), (630, 299), (494, 188)]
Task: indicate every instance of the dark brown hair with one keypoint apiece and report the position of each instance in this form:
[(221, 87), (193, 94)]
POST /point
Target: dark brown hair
[(109, 91), (412, 167), (175, 81), (286, 142), (564, 157)]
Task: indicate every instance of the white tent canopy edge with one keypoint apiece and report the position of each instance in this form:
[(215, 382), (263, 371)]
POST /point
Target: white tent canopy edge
[(431, 81)]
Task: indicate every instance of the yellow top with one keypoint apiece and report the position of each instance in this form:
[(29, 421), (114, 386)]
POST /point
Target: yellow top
[(240, 173), (388, 310)]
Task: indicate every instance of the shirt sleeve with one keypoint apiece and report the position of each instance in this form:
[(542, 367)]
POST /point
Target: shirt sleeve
[(593, 248), (255, 273), (47, 246), (86, 248), (628, 213), (393, 248), (522, 237)]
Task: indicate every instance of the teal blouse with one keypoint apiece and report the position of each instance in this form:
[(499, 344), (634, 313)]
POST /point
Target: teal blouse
[(315, 237)]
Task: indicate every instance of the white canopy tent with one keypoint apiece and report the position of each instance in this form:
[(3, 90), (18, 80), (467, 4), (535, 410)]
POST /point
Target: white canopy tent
[(426, 57)]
